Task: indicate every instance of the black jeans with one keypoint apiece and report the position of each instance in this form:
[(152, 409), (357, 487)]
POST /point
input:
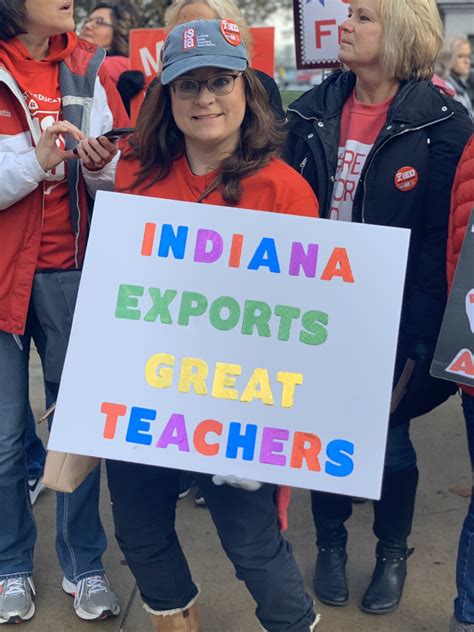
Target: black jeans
[(144, 508), (393, 513)]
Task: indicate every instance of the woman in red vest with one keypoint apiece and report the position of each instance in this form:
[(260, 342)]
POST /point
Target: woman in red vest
[(462, 203)]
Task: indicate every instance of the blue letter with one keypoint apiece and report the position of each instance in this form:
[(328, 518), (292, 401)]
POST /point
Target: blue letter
[(177, 242), (137, 428), (265, 255), (245, 441), (338, 451)]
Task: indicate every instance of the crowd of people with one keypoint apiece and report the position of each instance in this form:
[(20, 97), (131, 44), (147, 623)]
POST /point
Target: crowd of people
[(213, 130)]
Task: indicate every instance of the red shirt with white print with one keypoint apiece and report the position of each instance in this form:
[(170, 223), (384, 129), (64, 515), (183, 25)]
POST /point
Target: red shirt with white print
[(39, 83), (360, 125)]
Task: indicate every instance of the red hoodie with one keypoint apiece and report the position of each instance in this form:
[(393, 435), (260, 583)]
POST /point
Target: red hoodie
[(462, 202), (38, 80), (26, 228)]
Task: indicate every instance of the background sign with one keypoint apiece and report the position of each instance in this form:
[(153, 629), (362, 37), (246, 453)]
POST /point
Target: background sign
[(454, 355), (236, 342), (146, 44), (317, 32)]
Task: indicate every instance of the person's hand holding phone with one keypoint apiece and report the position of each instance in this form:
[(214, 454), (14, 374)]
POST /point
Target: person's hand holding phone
[(95, 153)]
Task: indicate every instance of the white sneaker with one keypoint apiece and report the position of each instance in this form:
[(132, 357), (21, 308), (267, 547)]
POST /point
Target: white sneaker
[(16, 599), (35, 487), (93, 598), (459, 626)]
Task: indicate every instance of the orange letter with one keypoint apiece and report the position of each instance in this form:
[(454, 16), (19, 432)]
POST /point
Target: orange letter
[(338, 265), (199, 439), (309, 454), (148, 239), (113, 412)]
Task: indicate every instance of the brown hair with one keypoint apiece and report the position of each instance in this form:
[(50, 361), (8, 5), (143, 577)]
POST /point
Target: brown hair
[(12, 18), (157, 141), (124, 17)]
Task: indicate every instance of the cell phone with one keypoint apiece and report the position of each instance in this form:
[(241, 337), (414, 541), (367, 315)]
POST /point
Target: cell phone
[(114, 134), (118, 132)]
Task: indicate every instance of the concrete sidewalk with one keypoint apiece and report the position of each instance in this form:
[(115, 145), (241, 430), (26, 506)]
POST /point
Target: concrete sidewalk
[(225, 604)]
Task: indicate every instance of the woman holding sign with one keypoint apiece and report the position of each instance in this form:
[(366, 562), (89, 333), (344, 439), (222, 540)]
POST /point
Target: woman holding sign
[(204, 136), (379, 144)]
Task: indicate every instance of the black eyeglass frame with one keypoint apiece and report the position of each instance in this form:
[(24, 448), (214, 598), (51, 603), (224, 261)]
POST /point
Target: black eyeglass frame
[(201, 82)]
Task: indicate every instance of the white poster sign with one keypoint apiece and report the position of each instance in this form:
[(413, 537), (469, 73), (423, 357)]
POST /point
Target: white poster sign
[(228, 341), (318, 32)]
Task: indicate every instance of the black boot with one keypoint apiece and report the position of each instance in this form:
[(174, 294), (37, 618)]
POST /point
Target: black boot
[(386, 586), (392, 526), (330, 511), (330, 581)]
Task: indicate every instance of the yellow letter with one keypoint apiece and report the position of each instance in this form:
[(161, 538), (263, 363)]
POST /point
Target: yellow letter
[(164, 377), (222, 380), (197, 378), (289, 381), (258, 378)]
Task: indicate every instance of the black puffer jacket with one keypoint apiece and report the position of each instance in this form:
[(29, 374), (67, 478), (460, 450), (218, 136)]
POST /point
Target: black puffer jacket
[(425, 130)]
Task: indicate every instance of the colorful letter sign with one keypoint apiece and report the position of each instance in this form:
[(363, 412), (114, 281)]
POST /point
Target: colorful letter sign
[(234, 342), (317, 32)]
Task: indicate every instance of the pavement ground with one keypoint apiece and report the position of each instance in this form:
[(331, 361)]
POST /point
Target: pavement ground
[(225, 604)]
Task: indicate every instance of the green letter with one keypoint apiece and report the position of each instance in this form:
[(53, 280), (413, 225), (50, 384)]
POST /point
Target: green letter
[(224, 302), (160, 306), (286, 314), (192, 304), (314, 322), (256, 313), (127, 300)]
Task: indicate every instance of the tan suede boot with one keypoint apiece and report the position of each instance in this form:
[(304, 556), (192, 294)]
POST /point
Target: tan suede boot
[(186, 621)]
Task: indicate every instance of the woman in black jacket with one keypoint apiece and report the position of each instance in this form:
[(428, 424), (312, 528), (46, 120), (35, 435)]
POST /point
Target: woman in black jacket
[(380, 144)]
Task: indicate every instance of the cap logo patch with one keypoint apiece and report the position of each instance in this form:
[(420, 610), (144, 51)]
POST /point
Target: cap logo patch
[(231, 32), (406, 178), (189, 39)]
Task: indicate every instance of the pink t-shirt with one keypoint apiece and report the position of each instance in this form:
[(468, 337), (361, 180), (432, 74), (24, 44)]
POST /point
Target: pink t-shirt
[(360, 125)]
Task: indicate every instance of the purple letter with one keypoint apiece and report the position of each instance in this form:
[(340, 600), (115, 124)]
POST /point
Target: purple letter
[(174, 434), (299, 258), (271, 443), (201, 254)]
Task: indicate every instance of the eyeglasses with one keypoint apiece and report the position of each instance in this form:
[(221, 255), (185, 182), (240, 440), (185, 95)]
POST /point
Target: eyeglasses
[(219, 85), (96, 22), (464, 56)]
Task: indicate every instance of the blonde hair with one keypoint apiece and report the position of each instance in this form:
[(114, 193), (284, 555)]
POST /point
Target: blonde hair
[(221, 8), (448, 55), (413, 37)]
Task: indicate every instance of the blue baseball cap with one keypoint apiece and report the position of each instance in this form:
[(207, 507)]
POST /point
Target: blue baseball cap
[(200, 43)]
